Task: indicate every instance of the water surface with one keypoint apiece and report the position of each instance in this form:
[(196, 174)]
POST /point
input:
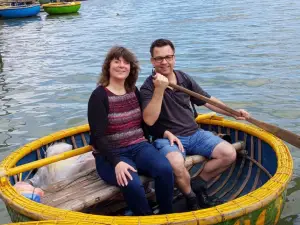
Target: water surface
[(246, 53)]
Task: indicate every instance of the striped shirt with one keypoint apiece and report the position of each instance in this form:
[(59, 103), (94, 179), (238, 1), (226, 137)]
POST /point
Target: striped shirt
[(124, 120)]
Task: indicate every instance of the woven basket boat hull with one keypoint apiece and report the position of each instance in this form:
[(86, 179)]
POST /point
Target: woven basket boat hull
[(44, 1), (61, 8), (254, 187)]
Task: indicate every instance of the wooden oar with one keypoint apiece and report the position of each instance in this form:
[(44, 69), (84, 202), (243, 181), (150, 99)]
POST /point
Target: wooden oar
[(283, 134), (44, 162)]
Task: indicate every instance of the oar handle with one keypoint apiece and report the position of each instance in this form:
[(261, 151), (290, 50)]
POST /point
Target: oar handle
[(205, 99), (45, 161), (283, 134)]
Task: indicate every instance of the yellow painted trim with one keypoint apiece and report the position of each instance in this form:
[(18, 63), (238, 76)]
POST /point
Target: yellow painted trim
[(60, 4), (232, 209), (53, 222), (202, 117), (42, 162)]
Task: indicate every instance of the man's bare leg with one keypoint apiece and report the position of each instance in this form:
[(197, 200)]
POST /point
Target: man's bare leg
[(223, 156), (182, 176), (183, 179)]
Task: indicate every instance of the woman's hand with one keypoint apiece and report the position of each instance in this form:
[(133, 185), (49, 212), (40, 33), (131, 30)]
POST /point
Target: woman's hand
[(173, 139), (122, 173), (244, 115)]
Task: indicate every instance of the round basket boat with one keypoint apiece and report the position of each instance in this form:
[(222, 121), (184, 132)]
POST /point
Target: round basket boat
[(20, 11), (254, 187), (58, 8)]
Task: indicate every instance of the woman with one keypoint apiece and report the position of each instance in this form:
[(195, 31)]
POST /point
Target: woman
[(121, 149)]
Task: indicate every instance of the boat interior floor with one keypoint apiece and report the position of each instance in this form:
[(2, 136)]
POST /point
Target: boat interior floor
[(87, 191)]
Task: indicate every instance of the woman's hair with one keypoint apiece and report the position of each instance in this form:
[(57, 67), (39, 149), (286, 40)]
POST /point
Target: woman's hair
[(115, 53)]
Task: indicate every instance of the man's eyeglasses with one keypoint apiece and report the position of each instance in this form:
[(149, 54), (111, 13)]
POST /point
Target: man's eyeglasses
[(159, 59)]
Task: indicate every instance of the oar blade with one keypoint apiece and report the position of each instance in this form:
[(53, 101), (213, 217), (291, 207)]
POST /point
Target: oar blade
[(283, 134)]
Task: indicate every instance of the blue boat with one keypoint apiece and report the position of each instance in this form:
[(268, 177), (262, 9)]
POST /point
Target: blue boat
[(8, 12)]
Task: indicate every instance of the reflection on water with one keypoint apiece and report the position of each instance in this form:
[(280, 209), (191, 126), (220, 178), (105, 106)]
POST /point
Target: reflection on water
[(245, 53), (18, 22), (62, 17)]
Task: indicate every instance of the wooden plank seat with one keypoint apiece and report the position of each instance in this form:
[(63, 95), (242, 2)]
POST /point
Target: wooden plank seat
[(87, 189)]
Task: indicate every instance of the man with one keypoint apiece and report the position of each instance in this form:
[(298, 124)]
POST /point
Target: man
[(169, 115)]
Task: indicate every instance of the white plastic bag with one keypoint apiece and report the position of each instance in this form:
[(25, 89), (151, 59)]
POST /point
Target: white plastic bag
[(64, 169), (58, 148), (40, 179)]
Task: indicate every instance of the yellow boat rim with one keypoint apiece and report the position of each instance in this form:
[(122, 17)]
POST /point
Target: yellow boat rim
[(61, 4), (52, 222), (238, 207)]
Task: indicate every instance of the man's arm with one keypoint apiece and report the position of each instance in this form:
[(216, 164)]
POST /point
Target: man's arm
[(243, 113), (216, 109), (152, 105), (196, 88), (152, 110)]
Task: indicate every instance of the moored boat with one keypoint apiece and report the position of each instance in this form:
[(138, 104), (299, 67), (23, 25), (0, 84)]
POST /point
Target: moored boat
[(19, 11), (44, 1), (254, 187), (58, 8)]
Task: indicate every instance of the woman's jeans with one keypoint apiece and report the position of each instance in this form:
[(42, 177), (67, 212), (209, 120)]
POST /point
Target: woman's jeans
[(147, 161)]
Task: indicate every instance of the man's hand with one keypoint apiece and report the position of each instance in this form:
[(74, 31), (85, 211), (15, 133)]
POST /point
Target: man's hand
[(173, 139), (122, 173), (160, 81), (244, 115)]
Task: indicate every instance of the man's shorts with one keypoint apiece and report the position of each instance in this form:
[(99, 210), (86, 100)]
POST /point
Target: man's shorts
[(200, 143)]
